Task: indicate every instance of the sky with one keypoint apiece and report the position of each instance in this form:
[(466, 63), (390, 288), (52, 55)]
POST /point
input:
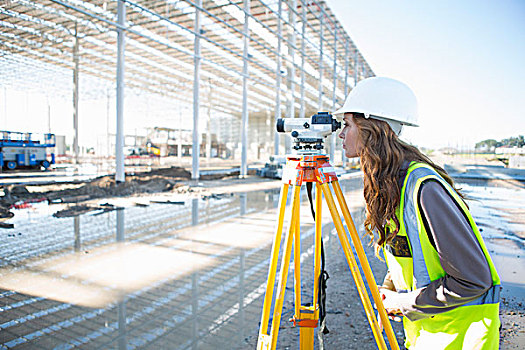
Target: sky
[(465, 61)]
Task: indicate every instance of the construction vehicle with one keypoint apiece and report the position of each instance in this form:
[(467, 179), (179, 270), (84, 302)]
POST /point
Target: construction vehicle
[(274, 168), (26, 150)]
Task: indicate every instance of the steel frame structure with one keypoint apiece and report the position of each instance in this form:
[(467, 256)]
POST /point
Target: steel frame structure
[(173, 46)]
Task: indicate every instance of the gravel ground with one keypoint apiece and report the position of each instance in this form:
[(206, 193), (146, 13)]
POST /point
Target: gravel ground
[(346, 319)]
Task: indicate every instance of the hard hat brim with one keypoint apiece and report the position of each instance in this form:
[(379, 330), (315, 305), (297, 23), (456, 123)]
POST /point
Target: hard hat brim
[(342, 111)]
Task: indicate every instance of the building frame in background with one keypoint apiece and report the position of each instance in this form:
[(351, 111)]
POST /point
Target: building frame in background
[(173, 48)]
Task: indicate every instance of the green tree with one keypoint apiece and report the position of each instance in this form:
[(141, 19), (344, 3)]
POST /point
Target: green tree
[(487, 145), (514, 141)]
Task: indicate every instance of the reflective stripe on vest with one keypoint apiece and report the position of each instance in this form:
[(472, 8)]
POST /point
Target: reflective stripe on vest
[(410, 221)]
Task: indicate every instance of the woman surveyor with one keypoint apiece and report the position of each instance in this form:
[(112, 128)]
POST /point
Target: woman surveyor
[(440, 278)]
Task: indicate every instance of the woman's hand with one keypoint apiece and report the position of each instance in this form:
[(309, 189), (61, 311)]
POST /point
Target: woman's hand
[(390, 301), (393, 310)]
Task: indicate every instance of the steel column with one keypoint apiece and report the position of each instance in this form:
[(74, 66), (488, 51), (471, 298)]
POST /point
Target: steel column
[(303, 46), (119, 141), (5, 109), (195, 150), (321, 25), (48, 115), (75, 94), (292, 6), (179, 141), (244, 124), (333, 136), (278, 75), (208, 123), (108, 141), (356, 67), (347, 58)]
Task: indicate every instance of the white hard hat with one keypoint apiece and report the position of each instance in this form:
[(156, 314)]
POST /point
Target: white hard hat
[(384, 99)]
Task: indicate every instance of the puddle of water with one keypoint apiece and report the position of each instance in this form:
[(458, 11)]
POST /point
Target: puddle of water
[(501, 231), (162, 276), (172, 276)]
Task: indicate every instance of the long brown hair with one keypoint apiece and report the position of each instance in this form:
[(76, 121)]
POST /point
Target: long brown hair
[(382, 156)]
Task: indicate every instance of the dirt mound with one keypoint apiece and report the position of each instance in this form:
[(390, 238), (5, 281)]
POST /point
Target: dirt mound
[(158, 180), (174, 172), (106, 186), (5, 214)]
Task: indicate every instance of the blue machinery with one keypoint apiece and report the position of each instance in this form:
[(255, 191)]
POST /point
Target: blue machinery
[(25, 150)]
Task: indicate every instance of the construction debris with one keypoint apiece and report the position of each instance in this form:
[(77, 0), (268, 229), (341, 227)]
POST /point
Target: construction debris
[(158, 180), (168, 202), (74, 211)]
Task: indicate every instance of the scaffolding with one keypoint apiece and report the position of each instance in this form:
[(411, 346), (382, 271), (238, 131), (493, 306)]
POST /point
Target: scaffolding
[(254, 60)]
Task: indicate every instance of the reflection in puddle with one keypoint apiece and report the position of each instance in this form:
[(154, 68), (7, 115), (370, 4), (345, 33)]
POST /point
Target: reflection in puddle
[(498, 211), (172, 276), (163, 276)]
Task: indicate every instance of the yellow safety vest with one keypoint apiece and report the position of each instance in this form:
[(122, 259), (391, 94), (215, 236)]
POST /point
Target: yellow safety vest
[(415, 264)]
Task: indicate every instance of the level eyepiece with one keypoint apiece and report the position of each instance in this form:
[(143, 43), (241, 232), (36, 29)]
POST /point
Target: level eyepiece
[(280, 125)]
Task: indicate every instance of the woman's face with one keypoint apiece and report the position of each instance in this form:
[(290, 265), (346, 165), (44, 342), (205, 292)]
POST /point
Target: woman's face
[(349, 136)]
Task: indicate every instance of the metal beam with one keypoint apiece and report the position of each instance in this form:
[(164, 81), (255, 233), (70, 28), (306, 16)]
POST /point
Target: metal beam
[(119, 142), (347, 58), (208, 123), (303, 46), (333, 136), (321, 40), (244, 121), (356, 67), (160, 57), (278, 75), (290, 76), (195, 150), (75, 94)]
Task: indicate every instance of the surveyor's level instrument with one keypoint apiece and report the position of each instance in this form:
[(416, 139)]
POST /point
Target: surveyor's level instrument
[(315, 169)]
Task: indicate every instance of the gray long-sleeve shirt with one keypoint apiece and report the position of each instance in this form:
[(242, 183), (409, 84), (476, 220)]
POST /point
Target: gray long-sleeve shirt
[(467, 271)]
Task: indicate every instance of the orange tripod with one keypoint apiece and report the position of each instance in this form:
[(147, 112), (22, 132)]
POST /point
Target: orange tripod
[(315, 169)]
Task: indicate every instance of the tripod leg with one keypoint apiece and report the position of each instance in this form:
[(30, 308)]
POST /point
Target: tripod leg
[(318, 238), (283, 273), (365, 265), (306, 332), (297, 265), (354, 269), (272, 270)]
